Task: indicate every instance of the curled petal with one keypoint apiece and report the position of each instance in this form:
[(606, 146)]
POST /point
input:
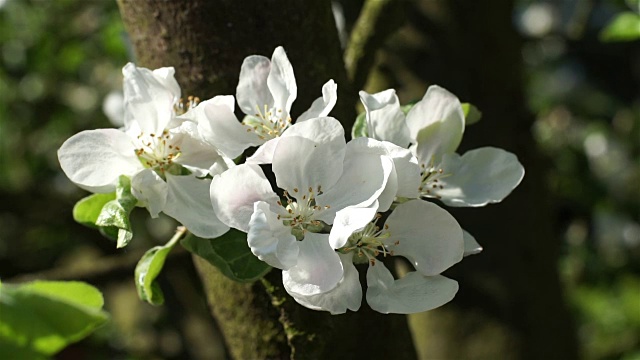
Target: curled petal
[(346, 295), (219, 126), (188, 202), (234, 192), (196, 154), (363, 180), (426, 235), (282, 82), (436, 124), (150, 190), (252, 92), (270, 240), (385, 120), (411, 294), (318, 269), (149, 97), (322, 106), (348, 221), (471, 246), (479, 177), (94, 159)]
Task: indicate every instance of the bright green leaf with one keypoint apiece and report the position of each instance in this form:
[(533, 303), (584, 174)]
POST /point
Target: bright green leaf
[(229, 253), (148, 269), (45, 316), (471, 114), (625, 27), (87, 210), (115, 213), (360, 126)]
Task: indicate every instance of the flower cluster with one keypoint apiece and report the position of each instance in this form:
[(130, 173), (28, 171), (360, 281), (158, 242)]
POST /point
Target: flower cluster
[(311, 204)]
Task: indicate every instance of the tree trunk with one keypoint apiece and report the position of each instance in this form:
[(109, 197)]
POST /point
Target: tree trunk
[(206, 41), (510, 303)]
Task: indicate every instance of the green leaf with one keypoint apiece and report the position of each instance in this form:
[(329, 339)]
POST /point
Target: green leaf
[(148, 269), (625, 27), (115, 213), (471, 114), (229, 253), (87, 210), (360, 126), (43, 317)]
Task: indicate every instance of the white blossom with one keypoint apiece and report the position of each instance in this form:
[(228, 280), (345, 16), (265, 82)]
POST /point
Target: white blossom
[(164, 156)]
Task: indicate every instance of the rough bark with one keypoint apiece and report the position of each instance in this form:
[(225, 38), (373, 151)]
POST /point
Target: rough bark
[(206, 42)]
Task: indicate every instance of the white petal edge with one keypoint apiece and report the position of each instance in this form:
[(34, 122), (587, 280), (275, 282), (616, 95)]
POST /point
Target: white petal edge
[(282, 82), (436, 124), (347, 295), (234, 192), (426, 235), (479, 177), (322, 106), (318, 270), (411, 294), (150, 190), (252, 92), (348, 221), (188, 202), (385, 119), (94, 159), (270, 240), (471, 246)]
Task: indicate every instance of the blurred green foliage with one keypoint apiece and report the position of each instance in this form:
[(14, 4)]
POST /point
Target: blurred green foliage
[(585, 93)]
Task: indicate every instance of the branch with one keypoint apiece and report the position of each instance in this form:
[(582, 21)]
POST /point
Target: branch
[(378, 19)]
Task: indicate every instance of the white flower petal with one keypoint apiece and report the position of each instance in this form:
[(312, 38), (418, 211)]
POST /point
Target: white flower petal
[(348, 221), (364, 178), (479, 177), (264, 154), (188, 202), (322, 106), (406, 168), (219, 126), (150, 190), (299, 163), (411, 294), (94, 159), (346, 295), (426, 235), (270, 240), (195, 154), (149, 97), (282, 82), (252, 92), (471, 246), (436, 124), (385, 120), (234, 192), (318, 270)]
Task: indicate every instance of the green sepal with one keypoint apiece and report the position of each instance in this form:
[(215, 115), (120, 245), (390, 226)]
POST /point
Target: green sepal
[(625, 27), (115, 213), (359, 128), (40, 318), (231, 254), (149, 268), (471, 114)]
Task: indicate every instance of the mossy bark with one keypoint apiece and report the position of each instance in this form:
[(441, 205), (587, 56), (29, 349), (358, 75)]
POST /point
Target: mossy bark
[(206, 41)]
